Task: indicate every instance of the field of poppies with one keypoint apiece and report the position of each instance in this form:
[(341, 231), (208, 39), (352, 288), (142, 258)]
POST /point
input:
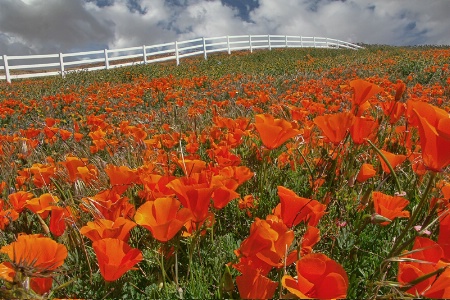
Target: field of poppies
[(308, 173)]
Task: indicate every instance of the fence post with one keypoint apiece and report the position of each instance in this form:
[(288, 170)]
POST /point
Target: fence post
[(314, 38), (106, 59), (177, 57), (250, 43), (144, 52), (5, 64), (228, 44), (204, 48), (327, 43), (285, 39), (268, 39), (61, 64)]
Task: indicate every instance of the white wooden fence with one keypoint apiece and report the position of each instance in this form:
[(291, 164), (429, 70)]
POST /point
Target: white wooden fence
[(16, 67)]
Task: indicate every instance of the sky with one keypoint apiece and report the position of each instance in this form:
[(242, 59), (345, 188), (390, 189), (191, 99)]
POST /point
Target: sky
[(54, 26)]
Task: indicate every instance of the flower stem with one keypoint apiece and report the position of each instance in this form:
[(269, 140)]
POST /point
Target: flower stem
[(397, 183)]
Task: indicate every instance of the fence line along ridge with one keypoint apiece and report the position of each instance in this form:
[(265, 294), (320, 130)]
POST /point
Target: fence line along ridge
[(16, 67)]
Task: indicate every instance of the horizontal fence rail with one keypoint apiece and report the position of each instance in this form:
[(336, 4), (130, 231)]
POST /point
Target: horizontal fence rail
[(16, 67)]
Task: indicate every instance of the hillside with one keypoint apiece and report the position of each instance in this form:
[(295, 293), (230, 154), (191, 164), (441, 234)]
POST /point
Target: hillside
[(210, 178)]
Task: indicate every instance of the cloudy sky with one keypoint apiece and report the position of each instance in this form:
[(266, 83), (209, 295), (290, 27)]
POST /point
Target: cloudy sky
[(53, 26)]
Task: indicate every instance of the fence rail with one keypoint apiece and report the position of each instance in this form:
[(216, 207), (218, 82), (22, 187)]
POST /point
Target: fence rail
[(16, 67)]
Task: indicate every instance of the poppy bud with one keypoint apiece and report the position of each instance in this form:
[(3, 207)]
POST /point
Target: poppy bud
[(378, 219)]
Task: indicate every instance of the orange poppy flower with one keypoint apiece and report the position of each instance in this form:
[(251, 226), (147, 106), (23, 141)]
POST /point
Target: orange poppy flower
[(393, 159), (390, 207), (363, 91), (6, 216), (121, 177), (274, 132), (223, 156), (266, 245), (444, 234), (253, 262), (154, 186), (30, 133), (394, 110), (440, 288), (254, 285), (87, 173), (190, 166), (223, 195), (318, 277), (224, 190), (163, 217), (358, 111), (445, 189), (41, 285), (49, 122), (434, 131), (7, 271), (309, 239), (261, 236), (430, 112), (194, 195), (192, 226), (247, 202), (294, 209), (18, 200), (35, 253), (64, 134), (108, 205), (22, 177), (78, 136), (137, 133), (79, 169), (42, 205), (363, 128), (98, 139), (400, 88), (240, 173), (365, 172), (60, 216), (42, 174), (115, 257), (103, 228), (335, 126), (425, 256), (417, 165), (50, 133), (276, 254)]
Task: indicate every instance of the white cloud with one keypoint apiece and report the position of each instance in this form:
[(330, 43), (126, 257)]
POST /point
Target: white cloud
[(132, 28), (51, 26), (208, 19), (375, 22)]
